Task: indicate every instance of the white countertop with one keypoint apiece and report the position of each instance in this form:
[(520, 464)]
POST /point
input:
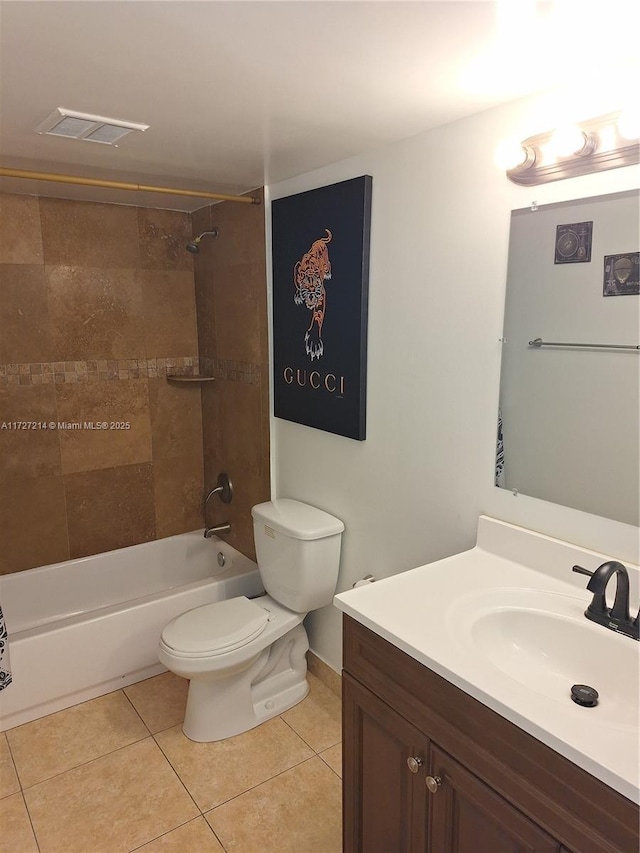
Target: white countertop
[(434, 613)]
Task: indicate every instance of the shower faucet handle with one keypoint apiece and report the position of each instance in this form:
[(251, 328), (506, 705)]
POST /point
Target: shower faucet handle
[(224, 488)]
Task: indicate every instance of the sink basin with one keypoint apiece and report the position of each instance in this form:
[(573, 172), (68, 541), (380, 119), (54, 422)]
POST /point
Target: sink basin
[(549, 652)]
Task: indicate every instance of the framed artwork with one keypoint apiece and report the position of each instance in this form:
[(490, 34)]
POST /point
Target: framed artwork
[(573, 243), (320, 301), (621, 274)]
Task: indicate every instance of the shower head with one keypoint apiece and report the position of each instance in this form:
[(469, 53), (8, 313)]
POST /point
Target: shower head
[(194, 245)]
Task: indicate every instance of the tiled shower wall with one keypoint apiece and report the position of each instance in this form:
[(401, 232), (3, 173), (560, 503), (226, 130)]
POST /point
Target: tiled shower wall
[(96, 302), (231, 298)]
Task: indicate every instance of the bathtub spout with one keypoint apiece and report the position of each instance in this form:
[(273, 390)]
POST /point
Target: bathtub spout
[(218, 528)]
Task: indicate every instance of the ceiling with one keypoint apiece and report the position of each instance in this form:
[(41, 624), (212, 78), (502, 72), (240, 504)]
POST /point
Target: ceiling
[(242, 93)]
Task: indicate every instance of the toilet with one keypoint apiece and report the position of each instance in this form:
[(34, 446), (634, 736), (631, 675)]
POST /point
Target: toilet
[(246, 658)]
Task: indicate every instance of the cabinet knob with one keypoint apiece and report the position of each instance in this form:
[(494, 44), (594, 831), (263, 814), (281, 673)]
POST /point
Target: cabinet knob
[(433, 783), (414, 764)]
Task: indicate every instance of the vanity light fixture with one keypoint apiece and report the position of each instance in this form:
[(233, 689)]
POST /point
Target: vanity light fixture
[(606, 142)]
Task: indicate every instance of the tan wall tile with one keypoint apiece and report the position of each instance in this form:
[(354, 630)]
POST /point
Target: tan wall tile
[(240, 413), (27, 453), (119, 402), (204, 272), (20, 234), (86, 234), (231, 299), (169, 312), (248, 490), (212, 430), (95, 313), (116, 313), (24, 315), (201, 220), (242, 232), (176, 418), (239, 302), (108, 509), (178, 489), (33, 523), (265, 412), (163, 237), (205, 310)]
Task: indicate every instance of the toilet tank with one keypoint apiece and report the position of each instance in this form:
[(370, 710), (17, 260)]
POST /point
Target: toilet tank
[(298, 552)]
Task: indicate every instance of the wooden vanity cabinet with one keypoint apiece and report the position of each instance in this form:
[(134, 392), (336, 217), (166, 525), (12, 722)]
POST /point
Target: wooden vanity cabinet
[(468, 816), (496, 789)]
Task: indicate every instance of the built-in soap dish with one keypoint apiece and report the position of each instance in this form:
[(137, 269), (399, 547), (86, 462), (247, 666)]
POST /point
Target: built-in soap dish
[(198, 377)]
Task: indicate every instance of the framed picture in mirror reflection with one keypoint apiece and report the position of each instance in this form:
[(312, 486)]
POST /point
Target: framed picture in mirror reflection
[(621, 276)]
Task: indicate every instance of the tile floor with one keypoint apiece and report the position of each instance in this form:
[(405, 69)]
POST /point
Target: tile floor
[(116, 774)]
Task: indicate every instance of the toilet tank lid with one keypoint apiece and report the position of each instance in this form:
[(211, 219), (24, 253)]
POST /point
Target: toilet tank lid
[(296, 519)]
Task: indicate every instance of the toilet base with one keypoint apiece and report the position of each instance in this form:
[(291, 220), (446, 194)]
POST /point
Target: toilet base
[(221, 706)]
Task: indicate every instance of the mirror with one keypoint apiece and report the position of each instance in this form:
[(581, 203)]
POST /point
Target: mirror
[(569, 419)]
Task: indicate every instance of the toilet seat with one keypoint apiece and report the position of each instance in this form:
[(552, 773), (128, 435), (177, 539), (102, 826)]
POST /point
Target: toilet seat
[(215, 629)]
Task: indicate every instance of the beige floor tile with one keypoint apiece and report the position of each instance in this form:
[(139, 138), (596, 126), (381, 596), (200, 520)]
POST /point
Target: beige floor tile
[(215, 772), (297, 812), (111, 805), (328, 676), (193, 837), (333, 757), (317, 719), (16, 835), (57, 743), (8, 780), (160, 701)]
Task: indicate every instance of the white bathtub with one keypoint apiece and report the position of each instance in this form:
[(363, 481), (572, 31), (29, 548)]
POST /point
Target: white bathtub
[(86, 627)]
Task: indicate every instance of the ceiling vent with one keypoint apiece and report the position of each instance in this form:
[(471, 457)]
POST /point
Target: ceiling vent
[(73, 125)]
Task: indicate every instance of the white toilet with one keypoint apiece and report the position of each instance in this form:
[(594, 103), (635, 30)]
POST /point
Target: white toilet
[(246, 658)]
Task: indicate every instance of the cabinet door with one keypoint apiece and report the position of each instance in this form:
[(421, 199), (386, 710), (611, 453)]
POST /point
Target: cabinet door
[(466, 816), (385, 803)]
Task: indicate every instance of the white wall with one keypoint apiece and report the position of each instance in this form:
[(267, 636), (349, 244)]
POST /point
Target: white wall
[(412, 492)]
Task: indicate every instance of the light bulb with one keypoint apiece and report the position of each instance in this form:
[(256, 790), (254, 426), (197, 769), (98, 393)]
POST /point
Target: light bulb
[(567, 141), (629, 124), (510, 154)]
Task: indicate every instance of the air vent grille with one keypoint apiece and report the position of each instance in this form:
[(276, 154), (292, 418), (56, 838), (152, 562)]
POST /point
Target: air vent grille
[(90, 128), (73, 127)]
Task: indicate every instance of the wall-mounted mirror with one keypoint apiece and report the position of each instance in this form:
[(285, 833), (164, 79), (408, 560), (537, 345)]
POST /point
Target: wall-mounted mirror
[(569, 420)]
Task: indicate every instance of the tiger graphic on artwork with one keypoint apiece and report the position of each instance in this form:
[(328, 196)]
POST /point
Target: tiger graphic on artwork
[(309, 276)]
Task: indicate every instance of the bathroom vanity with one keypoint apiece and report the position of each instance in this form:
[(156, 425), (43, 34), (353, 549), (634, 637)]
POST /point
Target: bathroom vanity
[(460, 735)]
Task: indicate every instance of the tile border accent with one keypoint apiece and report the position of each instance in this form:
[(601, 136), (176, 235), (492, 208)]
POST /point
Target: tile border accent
[(101, 370), (231, 371)]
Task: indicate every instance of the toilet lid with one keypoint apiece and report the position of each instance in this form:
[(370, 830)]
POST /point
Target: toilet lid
[(216, 628)]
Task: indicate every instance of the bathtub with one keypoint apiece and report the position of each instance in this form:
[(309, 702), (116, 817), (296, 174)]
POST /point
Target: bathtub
[(86, 627)]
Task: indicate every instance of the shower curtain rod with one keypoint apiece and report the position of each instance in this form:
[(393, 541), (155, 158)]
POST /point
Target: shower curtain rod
[(121, 185)]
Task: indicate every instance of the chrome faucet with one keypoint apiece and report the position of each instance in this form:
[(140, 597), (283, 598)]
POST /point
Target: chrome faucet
[(224, 489), (617, 618)]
